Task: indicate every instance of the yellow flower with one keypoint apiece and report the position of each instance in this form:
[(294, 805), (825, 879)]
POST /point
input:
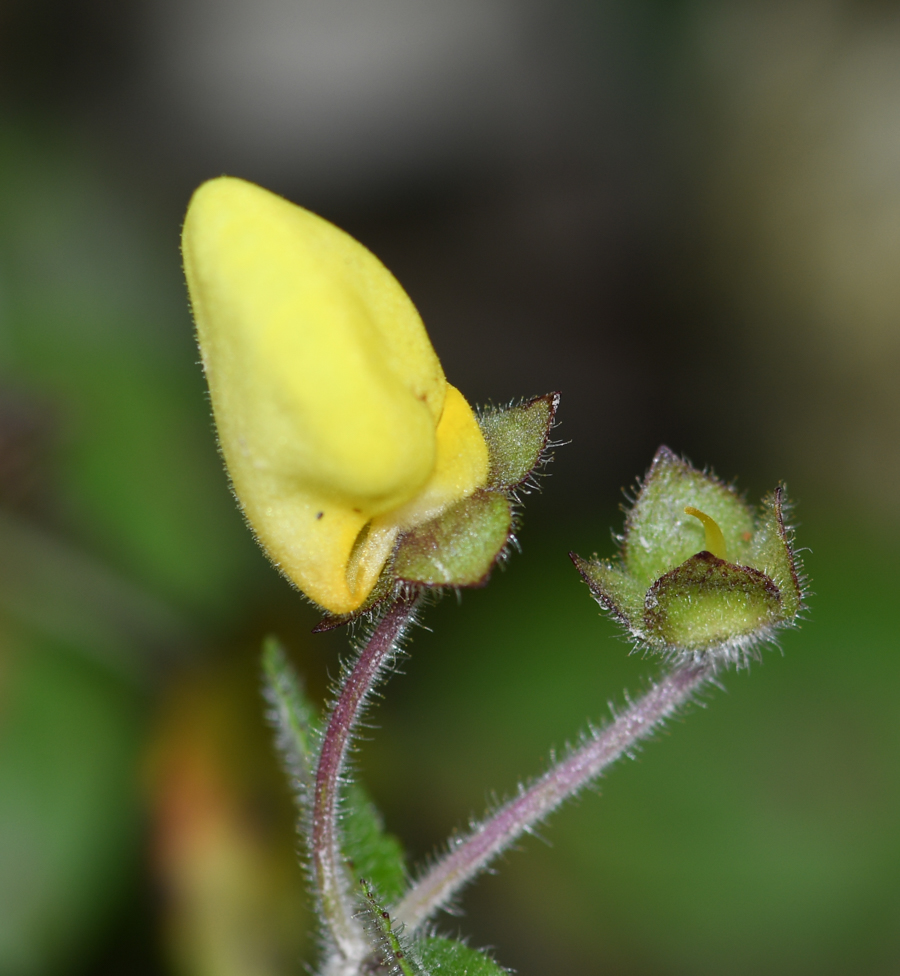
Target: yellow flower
[(335, 419)]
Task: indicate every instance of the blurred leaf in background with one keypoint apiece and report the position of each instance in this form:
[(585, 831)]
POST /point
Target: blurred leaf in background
[(119, 538), (94, 323), (70, 742), (225, 848)]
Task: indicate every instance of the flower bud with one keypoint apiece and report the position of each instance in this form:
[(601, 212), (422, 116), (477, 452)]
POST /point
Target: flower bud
[(699, 574), (356, 464), (335, 420)]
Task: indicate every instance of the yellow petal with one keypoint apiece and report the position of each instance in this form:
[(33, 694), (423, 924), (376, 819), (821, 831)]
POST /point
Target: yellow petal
[(460, 467), (326, 390)]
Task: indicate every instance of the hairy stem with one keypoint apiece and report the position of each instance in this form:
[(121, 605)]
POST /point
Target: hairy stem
[(338, 907), (472, 854)]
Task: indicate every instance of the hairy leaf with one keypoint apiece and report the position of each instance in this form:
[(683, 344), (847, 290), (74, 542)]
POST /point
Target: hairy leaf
[(392, 955), (445, 957), (375, 856), (292, 716)]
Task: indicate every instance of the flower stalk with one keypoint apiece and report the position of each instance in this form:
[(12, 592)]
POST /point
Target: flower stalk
[(468, 857), (338, 902)]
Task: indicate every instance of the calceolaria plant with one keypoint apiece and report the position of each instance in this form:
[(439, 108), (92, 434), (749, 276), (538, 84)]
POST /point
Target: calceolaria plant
[(371, 484)]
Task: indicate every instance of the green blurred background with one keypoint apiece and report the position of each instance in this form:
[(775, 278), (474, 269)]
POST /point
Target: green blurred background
[(683, 215)]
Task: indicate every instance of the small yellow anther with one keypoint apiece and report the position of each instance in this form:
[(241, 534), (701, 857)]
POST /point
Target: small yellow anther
[(715, 541)]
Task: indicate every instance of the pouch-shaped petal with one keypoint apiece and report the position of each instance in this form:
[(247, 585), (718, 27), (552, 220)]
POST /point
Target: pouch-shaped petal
[(460, 466), (325, 387)]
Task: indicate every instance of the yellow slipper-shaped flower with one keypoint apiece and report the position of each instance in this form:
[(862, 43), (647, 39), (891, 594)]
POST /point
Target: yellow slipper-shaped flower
[(337, 425)]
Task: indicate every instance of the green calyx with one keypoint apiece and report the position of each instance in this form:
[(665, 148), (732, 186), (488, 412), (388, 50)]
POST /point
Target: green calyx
[(699, 573), (461, 546)]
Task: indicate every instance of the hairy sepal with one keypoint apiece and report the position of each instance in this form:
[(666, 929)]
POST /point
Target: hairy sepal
[(459, 548), (699, 578)]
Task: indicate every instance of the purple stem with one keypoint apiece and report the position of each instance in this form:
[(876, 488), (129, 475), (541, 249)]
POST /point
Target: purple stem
[(330, 874), (473, 853)]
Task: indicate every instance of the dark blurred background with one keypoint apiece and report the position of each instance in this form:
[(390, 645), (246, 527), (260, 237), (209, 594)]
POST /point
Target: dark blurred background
[(685, 216)]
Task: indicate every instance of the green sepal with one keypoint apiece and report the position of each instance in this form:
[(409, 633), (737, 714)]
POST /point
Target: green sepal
[(713, 583), (659, 535), (613, 589), (516, 438), (446, 957), (773, 554), (707, 602), (371, 853), (460, 546), (292, 715)]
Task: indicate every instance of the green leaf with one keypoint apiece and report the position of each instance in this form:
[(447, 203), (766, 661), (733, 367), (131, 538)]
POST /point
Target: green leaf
[(706, 602), (293, 718), (105, 344), (375, 856), (393, 957), (70, 815), (516, 438), (445, 957), (460, 547), (773, 553), (659, 535)]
